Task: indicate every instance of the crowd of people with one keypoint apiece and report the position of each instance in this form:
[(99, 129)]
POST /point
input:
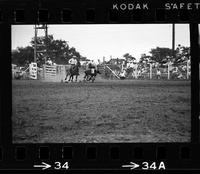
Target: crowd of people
[(158, 72), (176, 72), (50, 62)]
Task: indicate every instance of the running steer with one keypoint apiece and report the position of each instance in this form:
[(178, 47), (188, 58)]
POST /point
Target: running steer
[(91, 76)]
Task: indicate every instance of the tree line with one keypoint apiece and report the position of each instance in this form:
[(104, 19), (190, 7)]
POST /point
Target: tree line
[(57, 50), (163, 55), (60, 52)]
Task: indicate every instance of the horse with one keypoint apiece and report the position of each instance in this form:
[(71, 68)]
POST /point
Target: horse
[(73, 71), (91, 76)]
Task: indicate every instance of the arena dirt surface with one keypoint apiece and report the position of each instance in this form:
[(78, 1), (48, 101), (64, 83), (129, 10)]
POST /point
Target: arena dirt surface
[(101, 112)]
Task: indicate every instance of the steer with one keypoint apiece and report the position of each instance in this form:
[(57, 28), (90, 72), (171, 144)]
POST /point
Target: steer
[(91, 76)]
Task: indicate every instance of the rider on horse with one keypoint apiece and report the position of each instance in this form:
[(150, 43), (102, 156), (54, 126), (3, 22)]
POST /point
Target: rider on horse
[(74, 68), (72, 62), (92, 67)]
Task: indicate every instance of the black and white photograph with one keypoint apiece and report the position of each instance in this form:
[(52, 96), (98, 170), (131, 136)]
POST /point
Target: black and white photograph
[(101, 83)]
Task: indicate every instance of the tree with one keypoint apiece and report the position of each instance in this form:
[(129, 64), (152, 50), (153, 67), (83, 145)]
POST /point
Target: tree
[(47, 47), (144, 60), (161, 55), (164, 55), (129, 57), (182, 54), (57, 50), (22, 56), (74, 53)]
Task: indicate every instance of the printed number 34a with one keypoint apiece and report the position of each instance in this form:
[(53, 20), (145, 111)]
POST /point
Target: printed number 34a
[(154, 166), (60, 166)]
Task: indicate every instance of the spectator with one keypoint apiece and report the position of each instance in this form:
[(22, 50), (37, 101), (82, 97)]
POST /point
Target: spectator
[(123, 73), (158, 73), (49, 62), (180, 75)]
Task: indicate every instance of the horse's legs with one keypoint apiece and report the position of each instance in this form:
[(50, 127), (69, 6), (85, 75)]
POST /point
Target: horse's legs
[(84, 77), (69, 78), (76, 77), (72, 78), (90, 78), (66, 76), (93, 78)]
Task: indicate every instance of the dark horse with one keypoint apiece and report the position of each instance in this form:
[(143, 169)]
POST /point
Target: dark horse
[(91, 76), (73, 71)]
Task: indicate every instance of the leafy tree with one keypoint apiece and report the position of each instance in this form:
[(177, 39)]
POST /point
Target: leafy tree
[(161, 55), (182, 54), (129, 57), (23, 56), (73, 52), (57, 50), (144, 60)]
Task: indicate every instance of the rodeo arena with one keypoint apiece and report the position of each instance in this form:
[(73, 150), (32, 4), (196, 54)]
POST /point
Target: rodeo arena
[(57, 73), (109, 101)]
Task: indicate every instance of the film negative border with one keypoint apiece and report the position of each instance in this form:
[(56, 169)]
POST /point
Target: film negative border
[(94, 156), (88, 11), (101, 156)]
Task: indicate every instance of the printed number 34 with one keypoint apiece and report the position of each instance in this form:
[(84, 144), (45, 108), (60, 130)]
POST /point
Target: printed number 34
[(60, 166)]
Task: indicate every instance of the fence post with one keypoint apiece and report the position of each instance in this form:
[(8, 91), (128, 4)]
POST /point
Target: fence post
[(168, 70), (150, 71), (44, 71), (187, 75), (136, 71)]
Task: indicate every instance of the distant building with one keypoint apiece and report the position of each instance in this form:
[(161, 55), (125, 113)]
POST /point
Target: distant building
[(84, 62)]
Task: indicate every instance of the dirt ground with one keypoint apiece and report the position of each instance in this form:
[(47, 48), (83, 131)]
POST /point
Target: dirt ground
[(101, 112)]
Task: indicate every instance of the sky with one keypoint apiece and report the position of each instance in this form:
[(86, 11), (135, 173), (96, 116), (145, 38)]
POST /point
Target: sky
[(96, 41)]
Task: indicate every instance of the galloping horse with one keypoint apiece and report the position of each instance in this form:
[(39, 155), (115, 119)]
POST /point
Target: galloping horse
[(91, 76), (73, 71)]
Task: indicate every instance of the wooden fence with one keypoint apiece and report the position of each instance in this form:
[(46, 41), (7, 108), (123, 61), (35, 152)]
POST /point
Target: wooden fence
[(54, 72)]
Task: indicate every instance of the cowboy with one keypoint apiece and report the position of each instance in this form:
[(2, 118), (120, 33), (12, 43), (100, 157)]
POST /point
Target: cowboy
[(72, 61), (158, 73), (92, 66)]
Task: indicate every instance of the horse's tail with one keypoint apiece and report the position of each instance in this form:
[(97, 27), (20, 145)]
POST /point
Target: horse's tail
[(86, 72), (68, 72)]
